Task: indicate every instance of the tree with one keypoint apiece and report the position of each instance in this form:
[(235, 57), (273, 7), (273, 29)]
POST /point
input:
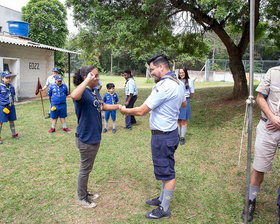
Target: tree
[(47, 24), (129, 22)]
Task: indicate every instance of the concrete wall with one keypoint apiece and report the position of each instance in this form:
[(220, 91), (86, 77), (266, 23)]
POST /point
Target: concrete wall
[(7, 14), (33, 63)]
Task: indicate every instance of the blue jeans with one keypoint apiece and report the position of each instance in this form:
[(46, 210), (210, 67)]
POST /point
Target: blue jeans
[(130, 119)]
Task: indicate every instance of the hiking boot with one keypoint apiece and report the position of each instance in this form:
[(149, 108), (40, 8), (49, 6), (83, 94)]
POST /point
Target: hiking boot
[(51, 130), (182, 141), (251, 210), (66, 130), (104, 130), (114, 131), (158, 213), (15, 136), (154, 202), (92, 196), (86, 203)]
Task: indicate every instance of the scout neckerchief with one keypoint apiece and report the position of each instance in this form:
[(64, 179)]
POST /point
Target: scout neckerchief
[(8, 87), (112, 96), (100, 103), (58, 89), (171, 75)]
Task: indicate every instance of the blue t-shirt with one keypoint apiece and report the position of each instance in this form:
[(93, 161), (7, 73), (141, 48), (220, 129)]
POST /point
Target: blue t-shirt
[(58, 93), (7, 93), (110, 99), (88, 111)]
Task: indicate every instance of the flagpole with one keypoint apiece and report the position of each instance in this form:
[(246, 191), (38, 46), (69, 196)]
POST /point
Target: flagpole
[(250, 102)]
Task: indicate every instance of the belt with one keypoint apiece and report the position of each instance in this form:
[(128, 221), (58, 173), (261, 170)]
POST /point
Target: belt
[(264, 119), (187, 98), (77, 135), (158, 132)]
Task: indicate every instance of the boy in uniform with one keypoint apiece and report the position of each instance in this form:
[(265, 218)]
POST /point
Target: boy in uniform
[(57, 93), (110, 98), (7, 107)]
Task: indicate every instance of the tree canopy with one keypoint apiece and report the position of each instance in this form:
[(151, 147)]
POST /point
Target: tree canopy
[(145, 25), (47, 22)]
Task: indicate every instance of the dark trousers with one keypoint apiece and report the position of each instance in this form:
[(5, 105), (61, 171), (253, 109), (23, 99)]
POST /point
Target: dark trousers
[(130, 119), (87, 156)]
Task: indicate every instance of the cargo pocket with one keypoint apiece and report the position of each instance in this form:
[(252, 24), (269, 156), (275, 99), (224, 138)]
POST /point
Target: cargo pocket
[(172, 145), (161, 167)]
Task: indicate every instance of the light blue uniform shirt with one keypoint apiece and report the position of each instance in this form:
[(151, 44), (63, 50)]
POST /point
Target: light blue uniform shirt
[(190, 89), (130, 87), (165, 101)]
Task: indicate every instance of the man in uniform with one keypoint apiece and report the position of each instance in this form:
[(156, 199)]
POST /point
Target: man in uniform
[(163, 104), (267, 135), (131, 97)]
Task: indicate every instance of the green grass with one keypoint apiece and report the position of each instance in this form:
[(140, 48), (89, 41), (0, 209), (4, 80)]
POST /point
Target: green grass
[(39, 172)]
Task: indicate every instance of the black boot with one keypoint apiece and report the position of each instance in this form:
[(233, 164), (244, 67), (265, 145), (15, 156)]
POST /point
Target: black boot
[(251, 210)]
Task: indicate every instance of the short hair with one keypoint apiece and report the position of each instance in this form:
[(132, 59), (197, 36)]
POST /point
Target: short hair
[(110, 85), (159, 59), (127, 71)]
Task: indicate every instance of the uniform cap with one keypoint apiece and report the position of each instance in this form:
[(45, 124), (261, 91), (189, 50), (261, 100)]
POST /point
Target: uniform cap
[(6, 74), (55, 69), (58, 77)]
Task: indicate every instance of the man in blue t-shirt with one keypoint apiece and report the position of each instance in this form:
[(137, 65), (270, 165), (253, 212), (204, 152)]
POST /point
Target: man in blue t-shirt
[(110, 98), (57, 93)]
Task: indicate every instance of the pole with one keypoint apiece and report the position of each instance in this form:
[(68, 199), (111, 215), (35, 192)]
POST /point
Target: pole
[(250, 102), (69, 74), (42, 103)]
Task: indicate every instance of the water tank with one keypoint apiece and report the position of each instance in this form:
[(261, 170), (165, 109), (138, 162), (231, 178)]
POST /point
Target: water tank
[(18, 28)]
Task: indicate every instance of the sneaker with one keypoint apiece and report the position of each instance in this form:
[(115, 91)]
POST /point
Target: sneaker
[(154, 202), (92, 196), (66, 130), (15, 136), (114, 131), (48, 116), (104, 130), (182, 141), (86, 203), (51, 130), (251, 210), (158, 213)]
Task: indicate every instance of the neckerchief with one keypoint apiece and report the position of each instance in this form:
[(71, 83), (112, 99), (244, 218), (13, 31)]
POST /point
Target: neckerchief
[(171, 75), (8, 87), (113, 101)]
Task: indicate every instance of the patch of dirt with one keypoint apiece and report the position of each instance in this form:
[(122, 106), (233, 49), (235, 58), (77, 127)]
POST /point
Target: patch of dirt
[(224, 102)]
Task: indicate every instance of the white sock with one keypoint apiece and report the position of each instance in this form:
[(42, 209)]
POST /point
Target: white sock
[(106, 124), (114, 124), (64, 125), (184, 131)]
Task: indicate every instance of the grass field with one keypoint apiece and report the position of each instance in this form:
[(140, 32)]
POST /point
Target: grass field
[(39, 172)]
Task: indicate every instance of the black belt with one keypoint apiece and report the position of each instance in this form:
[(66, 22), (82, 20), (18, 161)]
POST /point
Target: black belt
[(158, 132), (264, 119), (187, 98)]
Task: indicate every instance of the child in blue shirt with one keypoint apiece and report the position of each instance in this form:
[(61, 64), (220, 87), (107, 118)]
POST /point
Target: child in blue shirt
[(110, 98), (57, 93), (7, 107)]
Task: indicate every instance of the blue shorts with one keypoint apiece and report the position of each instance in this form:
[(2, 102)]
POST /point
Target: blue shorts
[(163, 149), (8, 117), (113, 115), (61, 111), (185, 112)]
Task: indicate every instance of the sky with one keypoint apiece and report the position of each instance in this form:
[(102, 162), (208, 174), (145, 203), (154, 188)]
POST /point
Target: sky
[(17, 4)]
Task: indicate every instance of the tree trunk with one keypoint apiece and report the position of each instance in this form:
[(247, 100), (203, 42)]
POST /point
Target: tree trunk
[(240, 88)]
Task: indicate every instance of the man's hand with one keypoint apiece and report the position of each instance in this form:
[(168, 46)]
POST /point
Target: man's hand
[(274, 123)]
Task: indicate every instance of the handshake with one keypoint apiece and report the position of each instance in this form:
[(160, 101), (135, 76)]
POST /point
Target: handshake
[(123, 109)]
